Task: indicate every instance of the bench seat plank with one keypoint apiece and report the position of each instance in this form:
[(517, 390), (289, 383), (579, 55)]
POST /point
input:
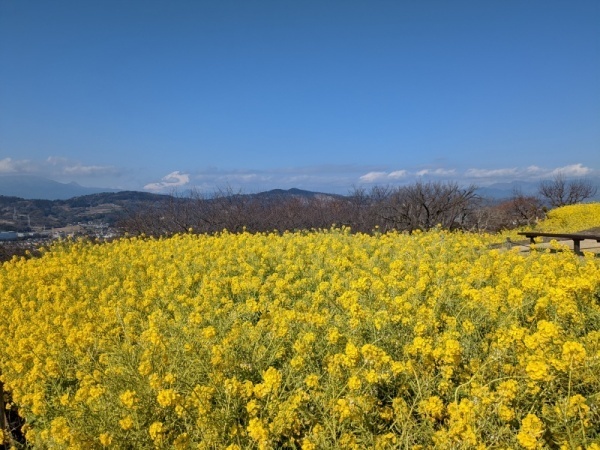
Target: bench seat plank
[(579, 236), (575, 237)]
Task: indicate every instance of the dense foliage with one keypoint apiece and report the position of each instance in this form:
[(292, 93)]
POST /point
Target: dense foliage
[(303, 340)]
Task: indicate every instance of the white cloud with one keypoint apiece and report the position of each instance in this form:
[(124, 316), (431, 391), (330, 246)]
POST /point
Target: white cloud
[(329, 178), (534, 170), (54, 167), (398, 174), (80, 169), (529, 173), (476, 175), (7, 166), (65, 170), (340, 178), (436, 172), (249, 177), (574, 170), (492, 173), (57, 160), (372, 177), (380, 176), (14, 166), (324, 178), (170, 181)]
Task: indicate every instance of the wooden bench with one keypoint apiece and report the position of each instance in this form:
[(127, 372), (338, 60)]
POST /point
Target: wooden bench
[(575, 237)]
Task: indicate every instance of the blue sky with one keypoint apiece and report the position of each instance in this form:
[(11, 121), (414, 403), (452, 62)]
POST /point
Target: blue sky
[(321, 95)]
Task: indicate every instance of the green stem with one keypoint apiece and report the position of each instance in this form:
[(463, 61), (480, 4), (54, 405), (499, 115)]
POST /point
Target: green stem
[(566, 413)]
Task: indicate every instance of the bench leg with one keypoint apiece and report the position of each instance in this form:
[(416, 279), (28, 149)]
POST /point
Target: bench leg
[(576, 246)]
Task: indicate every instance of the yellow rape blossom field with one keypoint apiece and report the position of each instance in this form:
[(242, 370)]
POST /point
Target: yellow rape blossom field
[(572, 218), (308, 340)]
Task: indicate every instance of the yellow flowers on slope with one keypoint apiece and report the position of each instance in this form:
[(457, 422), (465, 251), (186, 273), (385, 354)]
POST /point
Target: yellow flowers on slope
[(303, 340), (572, 218)]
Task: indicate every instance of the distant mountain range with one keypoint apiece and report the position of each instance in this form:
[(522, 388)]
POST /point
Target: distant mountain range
[(33, 187), (20, 214), (37, 203), (506, 190)]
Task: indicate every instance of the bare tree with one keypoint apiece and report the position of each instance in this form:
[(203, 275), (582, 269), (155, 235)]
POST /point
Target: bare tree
[(366, 210), (418, 206), (525, 209), (488, 216), (426, 205), (560, 192)]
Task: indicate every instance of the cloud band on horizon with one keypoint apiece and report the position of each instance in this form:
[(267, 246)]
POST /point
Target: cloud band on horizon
[(324, 178)]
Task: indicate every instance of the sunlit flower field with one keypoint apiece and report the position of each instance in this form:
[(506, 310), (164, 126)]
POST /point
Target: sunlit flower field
[(311, 340), (572, 218)]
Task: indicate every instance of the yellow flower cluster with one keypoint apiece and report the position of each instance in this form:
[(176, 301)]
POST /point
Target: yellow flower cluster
[(325, 339), (571, 218)]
